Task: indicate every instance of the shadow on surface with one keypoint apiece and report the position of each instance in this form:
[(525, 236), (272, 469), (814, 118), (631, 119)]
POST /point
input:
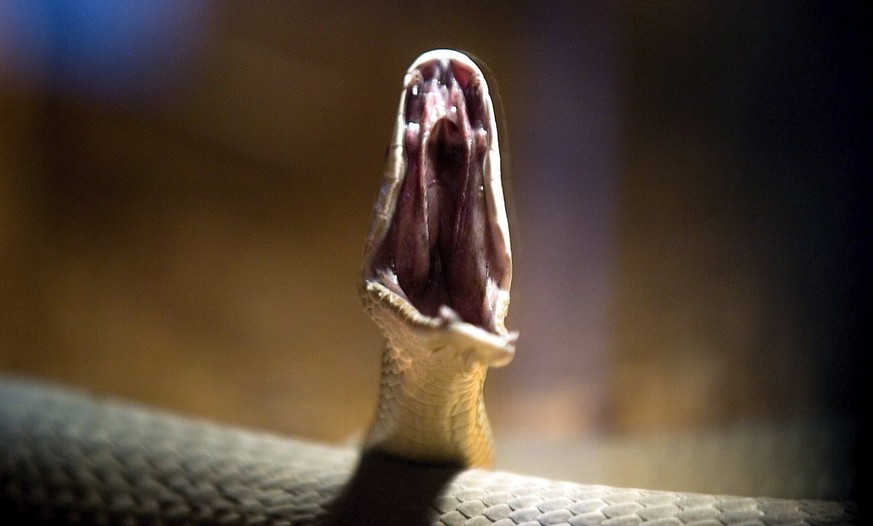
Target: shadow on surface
[(390, 491)]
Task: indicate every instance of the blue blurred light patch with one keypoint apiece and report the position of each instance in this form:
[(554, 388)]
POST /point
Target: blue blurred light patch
[(119, 49)]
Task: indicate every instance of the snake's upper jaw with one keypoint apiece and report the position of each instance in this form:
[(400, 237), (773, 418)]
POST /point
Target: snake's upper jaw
[(438, 253)]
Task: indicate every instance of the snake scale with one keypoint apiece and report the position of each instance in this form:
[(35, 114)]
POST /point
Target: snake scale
[(436, 276)]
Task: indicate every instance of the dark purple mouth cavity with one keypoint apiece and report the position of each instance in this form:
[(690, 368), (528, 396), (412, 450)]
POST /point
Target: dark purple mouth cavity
[(441, 243)]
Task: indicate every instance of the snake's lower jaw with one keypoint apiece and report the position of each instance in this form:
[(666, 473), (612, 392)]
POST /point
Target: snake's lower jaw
[(440, 339), (474, 345), (411, 330)]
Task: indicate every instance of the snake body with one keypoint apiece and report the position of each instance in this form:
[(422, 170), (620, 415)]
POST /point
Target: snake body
[(436, 276), (68, 458)]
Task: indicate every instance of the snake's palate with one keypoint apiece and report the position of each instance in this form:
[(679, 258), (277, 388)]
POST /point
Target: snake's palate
[(443, 245)]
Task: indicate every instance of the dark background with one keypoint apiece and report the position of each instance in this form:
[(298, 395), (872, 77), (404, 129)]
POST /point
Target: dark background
[(185, 189)]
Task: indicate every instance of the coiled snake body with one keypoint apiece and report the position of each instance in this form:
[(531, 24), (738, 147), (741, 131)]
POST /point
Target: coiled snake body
[(437, 270)]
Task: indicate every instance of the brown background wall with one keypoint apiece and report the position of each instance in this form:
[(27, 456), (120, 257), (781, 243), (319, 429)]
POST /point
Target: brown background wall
[(185, 191)]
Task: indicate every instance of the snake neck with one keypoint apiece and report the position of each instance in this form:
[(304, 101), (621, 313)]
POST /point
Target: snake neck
[(431, 409)]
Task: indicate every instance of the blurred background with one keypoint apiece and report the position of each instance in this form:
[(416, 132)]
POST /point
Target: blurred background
[(185, 190)]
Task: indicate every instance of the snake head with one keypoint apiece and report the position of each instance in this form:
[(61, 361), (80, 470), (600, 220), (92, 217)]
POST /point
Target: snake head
[(437, 264)]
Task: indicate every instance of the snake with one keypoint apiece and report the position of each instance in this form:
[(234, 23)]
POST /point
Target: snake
[(436, 277)]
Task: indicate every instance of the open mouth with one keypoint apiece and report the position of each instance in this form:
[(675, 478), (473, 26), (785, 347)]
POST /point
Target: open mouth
[(445, 246)]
